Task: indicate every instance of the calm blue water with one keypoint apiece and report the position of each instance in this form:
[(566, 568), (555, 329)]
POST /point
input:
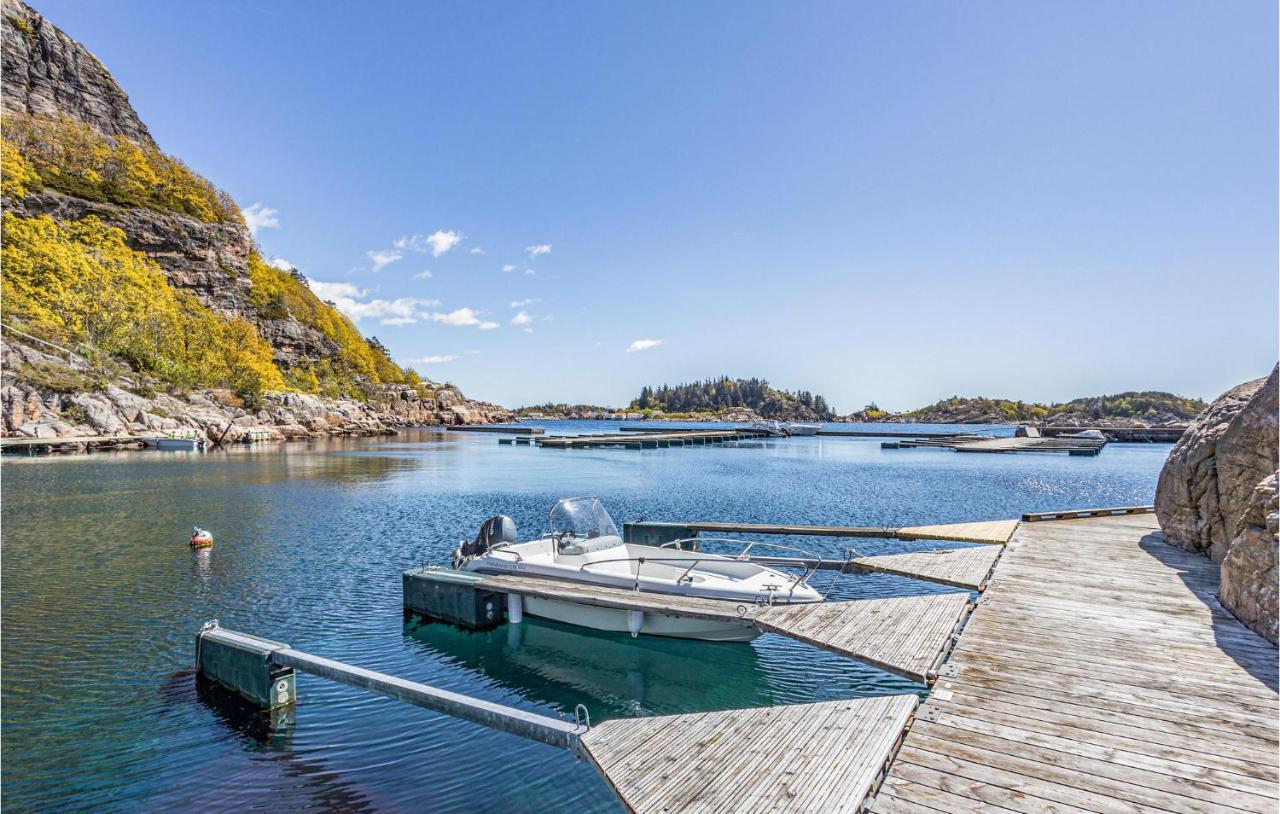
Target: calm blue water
[(102, 598)]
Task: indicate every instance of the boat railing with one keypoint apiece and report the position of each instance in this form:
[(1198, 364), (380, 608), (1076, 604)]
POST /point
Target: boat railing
[(812, 560), (501, 548), (640, 561)]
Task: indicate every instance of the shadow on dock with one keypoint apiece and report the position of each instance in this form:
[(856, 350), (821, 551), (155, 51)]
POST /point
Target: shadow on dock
[(1226, 627)]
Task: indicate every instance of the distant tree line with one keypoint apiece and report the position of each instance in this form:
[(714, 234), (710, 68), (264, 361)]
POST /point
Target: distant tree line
[(724, 393)]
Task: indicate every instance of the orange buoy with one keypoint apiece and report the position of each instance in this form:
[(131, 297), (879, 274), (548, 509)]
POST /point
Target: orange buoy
[(201, 538)]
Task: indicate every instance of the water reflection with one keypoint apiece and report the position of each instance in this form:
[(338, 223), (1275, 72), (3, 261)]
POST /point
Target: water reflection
[(614, 675)]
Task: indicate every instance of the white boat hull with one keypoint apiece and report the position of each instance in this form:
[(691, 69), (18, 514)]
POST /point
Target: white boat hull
[(804, 429), (653, 624)]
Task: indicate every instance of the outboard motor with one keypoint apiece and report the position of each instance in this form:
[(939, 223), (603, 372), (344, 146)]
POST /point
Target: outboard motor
[(494, 531)]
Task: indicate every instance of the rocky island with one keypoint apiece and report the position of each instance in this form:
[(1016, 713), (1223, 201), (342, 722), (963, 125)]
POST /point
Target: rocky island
[(1132, 409), (135, 298)]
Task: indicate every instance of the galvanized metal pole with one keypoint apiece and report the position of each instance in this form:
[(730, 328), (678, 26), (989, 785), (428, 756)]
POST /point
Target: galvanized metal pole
[(495, 716)]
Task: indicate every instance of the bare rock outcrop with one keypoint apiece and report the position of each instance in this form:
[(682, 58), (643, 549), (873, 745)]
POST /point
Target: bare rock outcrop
[(1206, 484), (1249, 577), (1217, 496), (48, 73)]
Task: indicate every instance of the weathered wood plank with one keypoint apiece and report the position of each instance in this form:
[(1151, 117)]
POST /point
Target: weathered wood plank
[(1098, 673), (959, 567), (903, 635), (995, 532), (819, 757)]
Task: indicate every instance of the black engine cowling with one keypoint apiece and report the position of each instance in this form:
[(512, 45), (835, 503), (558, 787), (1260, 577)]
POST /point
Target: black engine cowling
[(495, 530)]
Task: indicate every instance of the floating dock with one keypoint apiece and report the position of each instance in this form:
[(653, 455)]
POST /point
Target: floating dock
[(1096, 673), (1158, 435), (979, 443), (654, 532), (495, 428), (83, 443), (650, 440)]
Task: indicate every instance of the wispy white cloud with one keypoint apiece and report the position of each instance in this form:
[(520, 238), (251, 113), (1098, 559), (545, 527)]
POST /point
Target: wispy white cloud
[(530, 271), (436, 243), (643, 344), (422, 275), (522, 319), (382, 259), (351, 300), (280, 263), (429, 360), (258, 216), (477, 250), (542, 248), (509, 267), (462, 317), (526, 301)]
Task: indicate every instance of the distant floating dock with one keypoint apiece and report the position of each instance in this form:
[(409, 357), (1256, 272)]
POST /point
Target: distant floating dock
[(498, 428), (650, 440), (980, 443)]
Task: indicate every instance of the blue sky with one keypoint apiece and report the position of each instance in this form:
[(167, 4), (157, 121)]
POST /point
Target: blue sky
[(874, 201)]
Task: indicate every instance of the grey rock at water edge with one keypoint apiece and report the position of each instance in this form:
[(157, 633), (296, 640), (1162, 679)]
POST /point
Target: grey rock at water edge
[(1217, 496)]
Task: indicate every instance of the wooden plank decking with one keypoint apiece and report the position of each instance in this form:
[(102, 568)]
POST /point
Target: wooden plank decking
[(903, 635), (820, 757), (957, 567), (1100, 674)]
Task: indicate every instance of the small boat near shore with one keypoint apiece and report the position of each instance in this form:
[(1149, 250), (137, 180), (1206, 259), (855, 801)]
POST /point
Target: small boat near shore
[(583, 546), (801, 428), (176, 443), (771, 428)]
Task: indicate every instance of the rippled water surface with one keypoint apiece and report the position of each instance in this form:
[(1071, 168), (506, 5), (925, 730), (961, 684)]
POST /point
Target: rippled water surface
[(102, 598)]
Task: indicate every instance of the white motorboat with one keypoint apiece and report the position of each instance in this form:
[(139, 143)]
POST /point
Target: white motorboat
[(583, 546), (774, 429), (798, 428)]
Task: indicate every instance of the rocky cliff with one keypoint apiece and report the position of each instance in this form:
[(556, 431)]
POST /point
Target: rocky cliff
[(1217, 496), (47, 73), (69, 126)]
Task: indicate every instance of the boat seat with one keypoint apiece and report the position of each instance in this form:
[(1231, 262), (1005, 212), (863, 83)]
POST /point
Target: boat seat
[(592, 544)]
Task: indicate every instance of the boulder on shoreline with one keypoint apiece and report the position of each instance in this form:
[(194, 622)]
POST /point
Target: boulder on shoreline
[(1217, 496)]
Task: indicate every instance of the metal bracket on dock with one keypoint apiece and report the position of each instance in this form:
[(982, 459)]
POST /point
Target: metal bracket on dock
[(262, 672)]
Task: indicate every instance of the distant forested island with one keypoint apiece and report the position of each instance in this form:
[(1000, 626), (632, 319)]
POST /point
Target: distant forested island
[(1150, 408), (726, 399), (725, 396)]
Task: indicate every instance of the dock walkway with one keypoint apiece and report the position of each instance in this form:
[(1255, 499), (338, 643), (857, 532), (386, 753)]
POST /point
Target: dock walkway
[(1097, 673)]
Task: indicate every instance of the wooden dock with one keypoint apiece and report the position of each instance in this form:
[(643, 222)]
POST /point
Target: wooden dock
[(649, 440), (1157, 435), (822, 757), (995, 532), (907, 636), (498, 428), (975, 443), (1098, 673), (83, 443)]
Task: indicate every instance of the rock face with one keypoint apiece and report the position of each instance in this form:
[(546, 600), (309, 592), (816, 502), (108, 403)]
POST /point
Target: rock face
[(210, 260), (46, 72), (112, 408), (1249, 577), (1206, 484), (1217, 496)]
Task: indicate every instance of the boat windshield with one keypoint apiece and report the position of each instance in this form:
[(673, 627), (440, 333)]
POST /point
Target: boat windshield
[(582, 517)]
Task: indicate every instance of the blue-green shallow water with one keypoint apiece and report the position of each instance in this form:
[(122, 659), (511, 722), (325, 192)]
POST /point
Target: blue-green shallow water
[(102, 598)]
